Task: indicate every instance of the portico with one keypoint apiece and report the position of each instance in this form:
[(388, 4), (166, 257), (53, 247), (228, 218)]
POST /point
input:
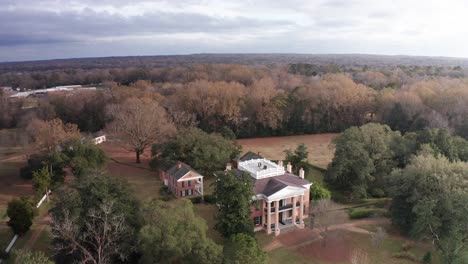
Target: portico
[(281, 198), (284, 213)]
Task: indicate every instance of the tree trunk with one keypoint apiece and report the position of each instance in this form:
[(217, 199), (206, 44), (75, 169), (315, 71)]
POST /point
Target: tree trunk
[(138, 156)]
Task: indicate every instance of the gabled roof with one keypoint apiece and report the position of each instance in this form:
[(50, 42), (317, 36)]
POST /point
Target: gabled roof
[(249, 156), (177, 172), (273, 186)]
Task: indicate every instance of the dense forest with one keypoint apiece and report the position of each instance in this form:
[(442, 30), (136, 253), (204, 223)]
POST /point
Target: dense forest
[(276, 95)]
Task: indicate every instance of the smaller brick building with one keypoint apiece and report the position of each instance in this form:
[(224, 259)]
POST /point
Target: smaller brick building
[(183, 180)]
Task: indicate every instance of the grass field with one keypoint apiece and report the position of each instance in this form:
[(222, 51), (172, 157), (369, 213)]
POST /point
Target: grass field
[(342, 243), (11, 184), (321, 150), (145, 182)]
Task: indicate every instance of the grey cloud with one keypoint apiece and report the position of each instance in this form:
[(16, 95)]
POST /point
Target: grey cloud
[(28, 27)]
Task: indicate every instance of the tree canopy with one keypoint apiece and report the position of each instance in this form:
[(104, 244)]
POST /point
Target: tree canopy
[(233, 197), (243, 249), (172, 232), (95, 220), (49, 135), (42, 181), (365, 155), (140, 123), (206, 153), (430, 198), (21, 213)]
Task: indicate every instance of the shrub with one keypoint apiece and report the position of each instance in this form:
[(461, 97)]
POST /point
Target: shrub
[(319, 192), (407, 246), (360, 213), (406, 255), (196, 200), (427, 259), (166, 194), (227, 133), (209, 198), (377, 193)]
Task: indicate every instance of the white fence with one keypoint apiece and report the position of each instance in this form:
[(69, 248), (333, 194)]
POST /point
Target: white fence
[(43, 199)]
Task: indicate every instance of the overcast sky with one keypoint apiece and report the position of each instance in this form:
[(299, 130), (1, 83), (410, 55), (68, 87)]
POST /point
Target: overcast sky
[(35, 29)]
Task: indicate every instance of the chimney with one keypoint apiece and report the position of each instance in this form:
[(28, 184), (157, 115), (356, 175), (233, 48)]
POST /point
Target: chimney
[(289, 167), (301, 173), (280, 163), (228, 166), (179, 164)]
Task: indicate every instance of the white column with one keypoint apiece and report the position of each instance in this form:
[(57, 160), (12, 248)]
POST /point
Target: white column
[(269, 217), (277, 217), (202, 187), (301, 212), (294, 212)]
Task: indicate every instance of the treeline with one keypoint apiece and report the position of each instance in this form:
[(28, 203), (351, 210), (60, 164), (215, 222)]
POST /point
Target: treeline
[(32, 76), (262, 101)]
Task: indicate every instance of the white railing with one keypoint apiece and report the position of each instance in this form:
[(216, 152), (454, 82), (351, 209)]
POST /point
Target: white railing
[(252, 167)]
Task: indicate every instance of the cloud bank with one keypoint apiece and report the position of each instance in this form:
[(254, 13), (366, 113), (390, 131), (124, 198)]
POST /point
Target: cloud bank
[(32, 29)]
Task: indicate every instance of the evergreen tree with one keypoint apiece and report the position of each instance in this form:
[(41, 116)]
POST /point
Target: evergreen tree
[(234, 197), (21, 213)]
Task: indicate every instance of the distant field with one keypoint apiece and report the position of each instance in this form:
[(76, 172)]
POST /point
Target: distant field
[(321, 150)]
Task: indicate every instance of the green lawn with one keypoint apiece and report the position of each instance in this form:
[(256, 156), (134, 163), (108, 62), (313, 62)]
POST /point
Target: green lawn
[(314, 174), (282, 255), (146, 184), (382, 254), (263, 239)]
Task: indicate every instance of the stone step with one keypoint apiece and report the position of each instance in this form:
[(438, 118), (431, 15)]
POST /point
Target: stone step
[(288, 229)]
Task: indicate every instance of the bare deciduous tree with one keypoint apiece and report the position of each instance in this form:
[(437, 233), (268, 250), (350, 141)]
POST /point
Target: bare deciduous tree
[(98, 241), (50, 134), (323, 217), (139, 123), (378, 237)]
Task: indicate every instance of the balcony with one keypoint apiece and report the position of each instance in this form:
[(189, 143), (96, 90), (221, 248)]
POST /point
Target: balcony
[(284, 207)]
